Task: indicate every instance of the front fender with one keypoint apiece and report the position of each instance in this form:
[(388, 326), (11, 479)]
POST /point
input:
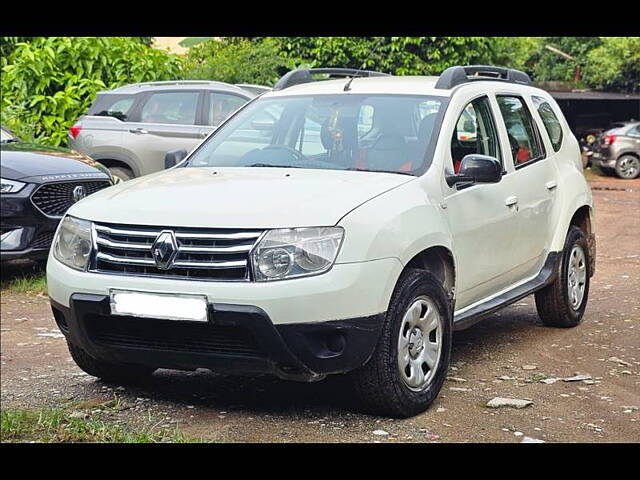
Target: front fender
[(398, 224)]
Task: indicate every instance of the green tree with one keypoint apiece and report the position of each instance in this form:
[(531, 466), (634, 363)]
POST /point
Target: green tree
[(407, 55), (547, 65), (48, 82), (614, 65), (238, 60)]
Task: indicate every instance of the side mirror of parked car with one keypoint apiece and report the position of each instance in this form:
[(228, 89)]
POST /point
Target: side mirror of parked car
[(476, 169), (174, 157)]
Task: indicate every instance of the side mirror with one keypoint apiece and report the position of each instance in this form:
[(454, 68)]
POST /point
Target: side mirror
[(174, 157), (476, 169)]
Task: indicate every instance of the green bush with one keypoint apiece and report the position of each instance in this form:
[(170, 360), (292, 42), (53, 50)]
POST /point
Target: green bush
[(237, 60), (47, 83)]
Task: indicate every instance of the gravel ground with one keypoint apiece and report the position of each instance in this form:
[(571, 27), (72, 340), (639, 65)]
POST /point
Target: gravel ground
[(510, 354)]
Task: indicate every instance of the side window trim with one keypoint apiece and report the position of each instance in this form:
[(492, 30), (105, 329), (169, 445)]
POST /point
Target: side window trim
[(536, 130)]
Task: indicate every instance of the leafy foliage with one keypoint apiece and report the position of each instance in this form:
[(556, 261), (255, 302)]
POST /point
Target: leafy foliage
[(47, 83), (403, 55), (614, 65), (547, 65), (237, 60)]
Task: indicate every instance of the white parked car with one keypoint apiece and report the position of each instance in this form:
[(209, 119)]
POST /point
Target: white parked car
[(345, 226)]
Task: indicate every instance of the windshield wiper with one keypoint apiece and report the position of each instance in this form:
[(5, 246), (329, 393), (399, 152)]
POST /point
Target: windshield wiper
[(380, 171), (272, 165)]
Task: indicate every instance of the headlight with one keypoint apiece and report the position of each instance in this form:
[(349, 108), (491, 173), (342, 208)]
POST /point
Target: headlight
[(10, 186), (296, 252), (72, 244)]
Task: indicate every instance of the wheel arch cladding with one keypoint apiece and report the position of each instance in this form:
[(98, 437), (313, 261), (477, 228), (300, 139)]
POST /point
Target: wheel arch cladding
[(583, 219), (439, 261)]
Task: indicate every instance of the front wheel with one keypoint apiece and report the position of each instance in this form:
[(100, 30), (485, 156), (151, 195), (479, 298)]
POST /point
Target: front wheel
[(562, 303), (628, 166), (410, 363)]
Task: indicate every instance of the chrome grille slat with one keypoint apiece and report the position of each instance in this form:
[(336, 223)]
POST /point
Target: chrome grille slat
[(123, 245), (203, 253)]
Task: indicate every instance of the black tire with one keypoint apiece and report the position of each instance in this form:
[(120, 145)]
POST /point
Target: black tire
[(628, 167), (122, 173), (109, 372), (552, 302), (378, 385)]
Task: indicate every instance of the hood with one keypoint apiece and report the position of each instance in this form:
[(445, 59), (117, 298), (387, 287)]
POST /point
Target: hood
[(34, 162), (231, 197)]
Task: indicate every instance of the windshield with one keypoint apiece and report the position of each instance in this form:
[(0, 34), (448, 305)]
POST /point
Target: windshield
[(384, 133)]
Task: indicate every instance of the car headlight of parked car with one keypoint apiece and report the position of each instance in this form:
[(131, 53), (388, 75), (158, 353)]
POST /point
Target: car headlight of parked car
[(296, 252), (72, 244), (10, 186)]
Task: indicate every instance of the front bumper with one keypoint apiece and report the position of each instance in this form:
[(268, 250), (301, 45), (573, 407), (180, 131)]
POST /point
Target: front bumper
[(237, 339), (26, 232), (299, 328)]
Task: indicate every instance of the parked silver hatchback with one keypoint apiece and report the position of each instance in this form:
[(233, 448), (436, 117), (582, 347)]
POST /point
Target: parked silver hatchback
[(130, 129), (618, 150)]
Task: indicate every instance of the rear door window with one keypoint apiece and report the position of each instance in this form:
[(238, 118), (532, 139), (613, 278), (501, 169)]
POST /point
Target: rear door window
[(221, 105), (550, 121), (524, 139), (113, 105), (170, 108)]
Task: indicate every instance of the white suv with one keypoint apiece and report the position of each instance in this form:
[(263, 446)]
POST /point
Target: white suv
[(345, 226)]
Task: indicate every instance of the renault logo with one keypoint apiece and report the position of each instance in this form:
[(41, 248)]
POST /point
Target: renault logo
[(165, 250), (79, 193)]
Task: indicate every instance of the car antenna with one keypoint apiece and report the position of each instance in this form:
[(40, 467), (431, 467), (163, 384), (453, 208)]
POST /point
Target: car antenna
[(347, 86)]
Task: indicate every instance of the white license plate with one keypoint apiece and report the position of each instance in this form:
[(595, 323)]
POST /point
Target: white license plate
[(165, 306)]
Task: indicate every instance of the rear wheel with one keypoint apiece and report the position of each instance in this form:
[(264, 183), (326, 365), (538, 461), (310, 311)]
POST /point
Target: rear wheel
[(122, 173), (109, 372), (562, 304), (410, 363), (628, 166)]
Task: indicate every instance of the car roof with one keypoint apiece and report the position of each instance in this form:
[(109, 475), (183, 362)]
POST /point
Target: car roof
[(397, 85), (179, 85)]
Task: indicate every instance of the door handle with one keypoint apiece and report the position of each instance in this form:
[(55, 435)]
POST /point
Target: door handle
[(510, 201), (138, 131), (551, 185)]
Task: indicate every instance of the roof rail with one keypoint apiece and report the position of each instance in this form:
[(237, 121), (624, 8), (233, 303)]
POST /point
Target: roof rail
[(454, 76), (175, 82), (296, 77)]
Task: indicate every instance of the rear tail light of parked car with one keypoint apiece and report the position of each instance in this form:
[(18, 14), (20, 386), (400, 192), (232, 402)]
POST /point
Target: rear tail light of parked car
[(609, 139), (75, 131)]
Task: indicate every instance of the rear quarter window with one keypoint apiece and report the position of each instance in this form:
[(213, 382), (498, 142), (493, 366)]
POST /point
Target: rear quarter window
[(113, 105), (550, 121)]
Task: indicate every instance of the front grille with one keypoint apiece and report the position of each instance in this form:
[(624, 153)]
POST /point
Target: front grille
[(203, 254), (169, 335), (43, 240), (53, 199)]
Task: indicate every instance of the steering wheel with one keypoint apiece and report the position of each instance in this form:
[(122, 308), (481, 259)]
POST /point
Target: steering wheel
[(299, 155)]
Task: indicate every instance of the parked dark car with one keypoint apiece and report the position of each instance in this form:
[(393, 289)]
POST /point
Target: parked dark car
[(618, 150), (39, 183)]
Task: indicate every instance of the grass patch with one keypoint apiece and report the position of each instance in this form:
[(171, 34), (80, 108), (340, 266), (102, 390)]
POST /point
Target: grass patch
[(56, 425), (191, 41), (32, 283)]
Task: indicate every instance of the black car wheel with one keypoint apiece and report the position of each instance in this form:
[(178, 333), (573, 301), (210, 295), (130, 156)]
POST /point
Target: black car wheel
[(562, 304), (410, 363), (628, 166)]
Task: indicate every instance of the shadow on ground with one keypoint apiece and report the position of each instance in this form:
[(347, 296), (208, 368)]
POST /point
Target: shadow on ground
[(16, 269), (270, 395)]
